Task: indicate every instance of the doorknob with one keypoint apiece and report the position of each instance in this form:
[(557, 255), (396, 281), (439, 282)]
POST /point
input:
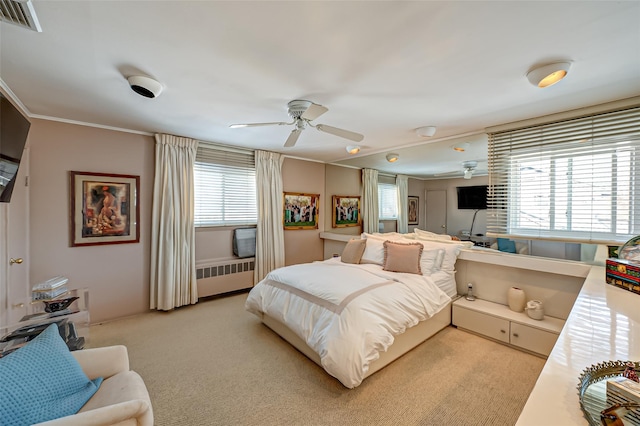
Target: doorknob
[(18, 261), (444, 226)]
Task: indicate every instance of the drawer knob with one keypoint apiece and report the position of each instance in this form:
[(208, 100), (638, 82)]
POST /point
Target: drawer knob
[(502, 331), (515, 335)]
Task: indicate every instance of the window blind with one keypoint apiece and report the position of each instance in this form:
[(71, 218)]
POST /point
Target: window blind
[(387, 201), (225, 187), (572, 180)]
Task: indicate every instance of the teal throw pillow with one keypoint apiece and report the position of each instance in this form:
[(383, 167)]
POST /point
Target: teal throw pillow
[(506, 245), (42, 381)]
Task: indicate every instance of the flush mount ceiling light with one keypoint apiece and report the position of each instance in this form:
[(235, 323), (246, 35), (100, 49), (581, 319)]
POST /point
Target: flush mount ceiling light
[(426, 131), (461, 147), (392, 158), (353, 149), (145, 86), (548, 75)]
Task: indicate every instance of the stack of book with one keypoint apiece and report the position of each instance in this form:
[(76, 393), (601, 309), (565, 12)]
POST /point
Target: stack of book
[(50, 289)]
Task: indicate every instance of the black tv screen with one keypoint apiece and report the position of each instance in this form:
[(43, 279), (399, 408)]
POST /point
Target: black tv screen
[(14, 129), (472, 197)]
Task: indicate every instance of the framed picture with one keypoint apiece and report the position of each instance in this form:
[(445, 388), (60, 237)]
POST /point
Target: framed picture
[(301, 210), (104, 209), (412, 210), (346, 211)]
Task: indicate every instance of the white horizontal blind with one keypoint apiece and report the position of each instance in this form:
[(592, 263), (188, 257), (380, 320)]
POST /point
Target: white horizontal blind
[(387, 201), (573, 180), (225, 187)]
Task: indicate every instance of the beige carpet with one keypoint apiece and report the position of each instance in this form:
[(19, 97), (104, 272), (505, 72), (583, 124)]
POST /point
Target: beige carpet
[(215, 364)]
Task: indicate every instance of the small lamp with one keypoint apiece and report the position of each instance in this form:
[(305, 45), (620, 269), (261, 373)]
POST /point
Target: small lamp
[(353, 149), (392, 158), (548, 75)]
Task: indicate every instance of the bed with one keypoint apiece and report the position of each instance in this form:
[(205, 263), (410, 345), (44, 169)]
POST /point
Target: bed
[(355, 314)]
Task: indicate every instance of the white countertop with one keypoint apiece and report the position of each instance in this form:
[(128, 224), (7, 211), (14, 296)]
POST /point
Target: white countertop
[(604, 325)]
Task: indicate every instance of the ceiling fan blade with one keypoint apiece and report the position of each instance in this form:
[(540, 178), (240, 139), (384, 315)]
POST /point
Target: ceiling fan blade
[(314, 111), (278, 123), (293, 138), (449, 173), (356, 137)]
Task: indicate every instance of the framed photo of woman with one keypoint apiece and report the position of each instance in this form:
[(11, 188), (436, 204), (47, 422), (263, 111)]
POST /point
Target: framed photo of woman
[(104, 208), (413, 210)]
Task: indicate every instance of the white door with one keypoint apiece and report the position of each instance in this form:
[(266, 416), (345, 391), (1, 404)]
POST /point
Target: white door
[(14, 249), (436, 208)]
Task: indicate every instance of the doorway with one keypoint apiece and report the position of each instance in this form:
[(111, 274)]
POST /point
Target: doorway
[(436, 209)]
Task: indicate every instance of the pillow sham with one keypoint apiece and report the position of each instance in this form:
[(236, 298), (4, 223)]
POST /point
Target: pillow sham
[(506, 245), (402, 257), (353, 251)]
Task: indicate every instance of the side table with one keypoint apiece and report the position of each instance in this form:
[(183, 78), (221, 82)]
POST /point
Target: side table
[(72, 322)]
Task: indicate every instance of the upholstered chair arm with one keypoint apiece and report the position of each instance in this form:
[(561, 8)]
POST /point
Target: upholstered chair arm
[(135, 413), (103, 362)]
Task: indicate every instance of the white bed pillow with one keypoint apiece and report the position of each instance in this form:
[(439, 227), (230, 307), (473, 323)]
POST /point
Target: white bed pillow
[(387, 236), (431, 260), (450, 249), (431, 235), (373, 251)]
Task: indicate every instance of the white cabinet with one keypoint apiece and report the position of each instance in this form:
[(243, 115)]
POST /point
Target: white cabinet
[(498, 322)]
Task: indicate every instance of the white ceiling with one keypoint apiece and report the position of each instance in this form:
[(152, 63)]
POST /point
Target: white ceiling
[(382, 68)]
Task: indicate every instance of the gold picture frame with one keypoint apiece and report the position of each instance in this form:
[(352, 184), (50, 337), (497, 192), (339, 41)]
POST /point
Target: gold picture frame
[(301, 211), (345, 211)]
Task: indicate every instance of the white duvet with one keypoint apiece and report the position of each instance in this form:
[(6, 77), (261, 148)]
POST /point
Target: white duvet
[(346, 313)]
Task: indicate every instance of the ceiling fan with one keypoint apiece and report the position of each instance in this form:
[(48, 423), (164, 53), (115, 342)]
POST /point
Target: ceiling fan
[(303, 112), (468, 167)]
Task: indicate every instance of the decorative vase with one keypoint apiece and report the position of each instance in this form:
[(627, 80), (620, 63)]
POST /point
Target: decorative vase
[(516, 298)]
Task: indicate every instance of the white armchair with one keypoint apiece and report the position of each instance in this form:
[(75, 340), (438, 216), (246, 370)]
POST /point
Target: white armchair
[(122, 398)]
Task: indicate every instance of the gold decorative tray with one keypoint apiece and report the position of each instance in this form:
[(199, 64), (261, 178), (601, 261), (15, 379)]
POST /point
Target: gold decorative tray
[(592, 387)]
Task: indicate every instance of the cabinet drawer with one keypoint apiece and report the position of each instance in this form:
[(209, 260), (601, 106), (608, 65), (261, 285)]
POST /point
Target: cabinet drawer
[(488, 325), (532, 339)]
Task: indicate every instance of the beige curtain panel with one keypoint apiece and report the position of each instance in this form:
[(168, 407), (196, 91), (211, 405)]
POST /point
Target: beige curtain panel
[(173, 258)]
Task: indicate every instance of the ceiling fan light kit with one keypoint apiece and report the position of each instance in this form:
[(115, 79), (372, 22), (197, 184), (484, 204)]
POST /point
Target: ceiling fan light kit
[(426, 131), (145, 86), (392, 158), (469, 167), (303, 112), (548, 75), (353, 149)]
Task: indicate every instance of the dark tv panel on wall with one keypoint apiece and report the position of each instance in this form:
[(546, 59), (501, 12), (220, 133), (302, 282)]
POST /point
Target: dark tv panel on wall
[(14, 128), (472, 197)]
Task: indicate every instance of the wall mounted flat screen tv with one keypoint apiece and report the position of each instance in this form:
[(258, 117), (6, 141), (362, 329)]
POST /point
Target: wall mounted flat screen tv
[(14, 128), (472, 197)]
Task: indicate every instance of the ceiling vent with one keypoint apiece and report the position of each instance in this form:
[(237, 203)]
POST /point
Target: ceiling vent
[(21, 13)]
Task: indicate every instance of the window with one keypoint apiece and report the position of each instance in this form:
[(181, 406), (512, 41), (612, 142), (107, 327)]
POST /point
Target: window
[(387, 201), (225, 187), (573, 180)]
